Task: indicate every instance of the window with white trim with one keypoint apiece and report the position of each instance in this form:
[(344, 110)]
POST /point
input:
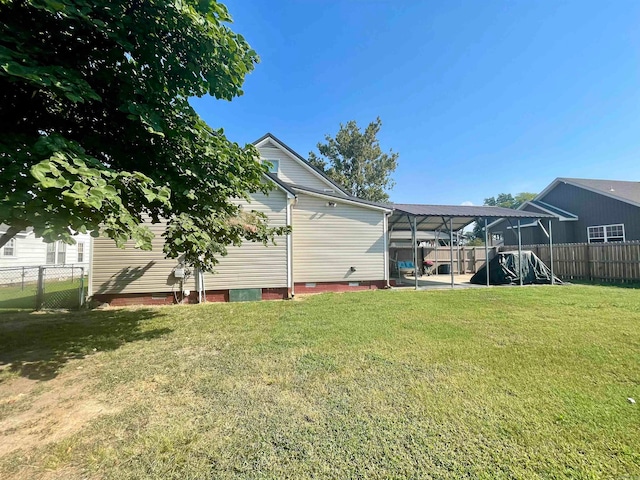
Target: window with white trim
[(606, 233), (80, 252), (62, 253), (273, 164), (9, 249), (51, 253), (56, 253)]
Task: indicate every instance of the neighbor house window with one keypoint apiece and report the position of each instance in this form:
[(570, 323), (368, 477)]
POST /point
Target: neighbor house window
[(62, 253), (56, 253), (51, 253), (80, 252), (274, 167), (606, 233), (9, 249)]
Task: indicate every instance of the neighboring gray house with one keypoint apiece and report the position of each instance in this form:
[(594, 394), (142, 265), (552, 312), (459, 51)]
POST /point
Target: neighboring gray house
[(338, 242), (586, 211)]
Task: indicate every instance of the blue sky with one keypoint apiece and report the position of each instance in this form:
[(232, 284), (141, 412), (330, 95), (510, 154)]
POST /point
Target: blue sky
[(477, 97)]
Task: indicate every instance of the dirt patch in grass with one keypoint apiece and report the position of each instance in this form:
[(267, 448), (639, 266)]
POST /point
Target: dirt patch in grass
[(35, 414)]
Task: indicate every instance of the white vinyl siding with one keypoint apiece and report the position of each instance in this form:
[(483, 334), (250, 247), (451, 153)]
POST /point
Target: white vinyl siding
[(31, 251), (254, 265), (328, 241), (292, 171)]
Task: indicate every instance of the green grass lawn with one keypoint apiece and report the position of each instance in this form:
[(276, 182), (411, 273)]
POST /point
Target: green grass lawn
[(478, 383)]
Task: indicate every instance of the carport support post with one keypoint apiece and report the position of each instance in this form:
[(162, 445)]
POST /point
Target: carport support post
[(519, 253), (551, 252), (415, 251), (451, 249), (486, 248)]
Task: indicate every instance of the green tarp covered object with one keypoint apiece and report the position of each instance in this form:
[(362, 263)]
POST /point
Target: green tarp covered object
[(504, 270)]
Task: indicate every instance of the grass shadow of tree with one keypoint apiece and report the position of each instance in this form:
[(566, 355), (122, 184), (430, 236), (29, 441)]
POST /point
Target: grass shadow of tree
[(36, 346)]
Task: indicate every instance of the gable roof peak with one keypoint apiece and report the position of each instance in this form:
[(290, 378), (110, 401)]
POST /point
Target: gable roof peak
[(270, 136)]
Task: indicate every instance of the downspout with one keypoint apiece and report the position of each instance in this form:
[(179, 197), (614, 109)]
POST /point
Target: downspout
[(198, 284), (291, 284), (202, 290), (386, 248), (90, 286)]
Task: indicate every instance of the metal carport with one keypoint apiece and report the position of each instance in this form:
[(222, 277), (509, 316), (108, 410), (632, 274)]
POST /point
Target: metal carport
[(451, 218)]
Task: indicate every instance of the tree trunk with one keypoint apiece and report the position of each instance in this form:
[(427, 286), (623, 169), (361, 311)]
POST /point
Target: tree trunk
[(8, 235)]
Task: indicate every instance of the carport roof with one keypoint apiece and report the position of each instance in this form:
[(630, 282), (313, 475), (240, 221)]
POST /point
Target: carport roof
[(436, 217)]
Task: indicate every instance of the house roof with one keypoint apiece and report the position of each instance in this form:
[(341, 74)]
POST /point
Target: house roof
[(283, 185), (342, 198), (562, 215), (628, 192), (435, 217), (23, 233), (299, 157)]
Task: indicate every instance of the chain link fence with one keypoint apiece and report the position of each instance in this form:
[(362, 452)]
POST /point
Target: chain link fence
[(44, 287)]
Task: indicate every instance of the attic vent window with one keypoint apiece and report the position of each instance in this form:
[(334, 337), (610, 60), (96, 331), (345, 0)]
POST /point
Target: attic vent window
[(273, 165), (328, 190)]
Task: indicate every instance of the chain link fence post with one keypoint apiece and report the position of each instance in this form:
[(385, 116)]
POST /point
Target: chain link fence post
[(81, 287), (40, 288)]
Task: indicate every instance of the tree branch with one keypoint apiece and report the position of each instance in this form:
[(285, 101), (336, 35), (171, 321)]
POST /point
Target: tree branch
[(8, 235)]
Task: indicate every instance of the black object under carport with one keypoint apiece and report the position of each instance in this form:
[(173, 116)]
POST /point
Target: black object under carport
[(504, 268)]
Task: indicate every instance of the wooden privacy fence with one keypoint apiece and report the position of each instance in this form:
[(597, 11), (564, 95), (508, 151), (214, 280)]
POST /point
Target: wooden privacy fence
[(609, 262)]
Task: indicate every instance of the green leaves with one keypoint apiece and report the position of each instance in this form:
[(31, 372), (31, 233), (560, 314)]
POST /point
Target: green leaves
[(97, 131)]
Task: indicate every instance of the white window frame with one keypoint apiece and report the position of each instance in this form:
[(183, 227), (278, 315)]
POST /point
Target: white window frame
[(51, 250), (80, 256), (276, 164), (606, 238), (12, 245), (61, 251), (56, 250)]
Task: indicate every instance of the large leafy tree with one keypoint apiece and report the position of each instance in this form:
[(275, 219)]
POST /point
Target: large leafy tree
[(355, 160), (97, 134), (505, 200)]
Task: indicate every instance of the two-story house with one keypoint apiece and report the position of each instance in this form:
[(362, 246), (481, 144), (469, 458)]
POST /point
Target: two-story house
[(337, 242)]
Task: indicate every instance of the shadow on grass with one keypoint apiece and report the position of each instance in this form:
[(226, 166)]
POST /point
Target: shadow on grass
[(36, 346)]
